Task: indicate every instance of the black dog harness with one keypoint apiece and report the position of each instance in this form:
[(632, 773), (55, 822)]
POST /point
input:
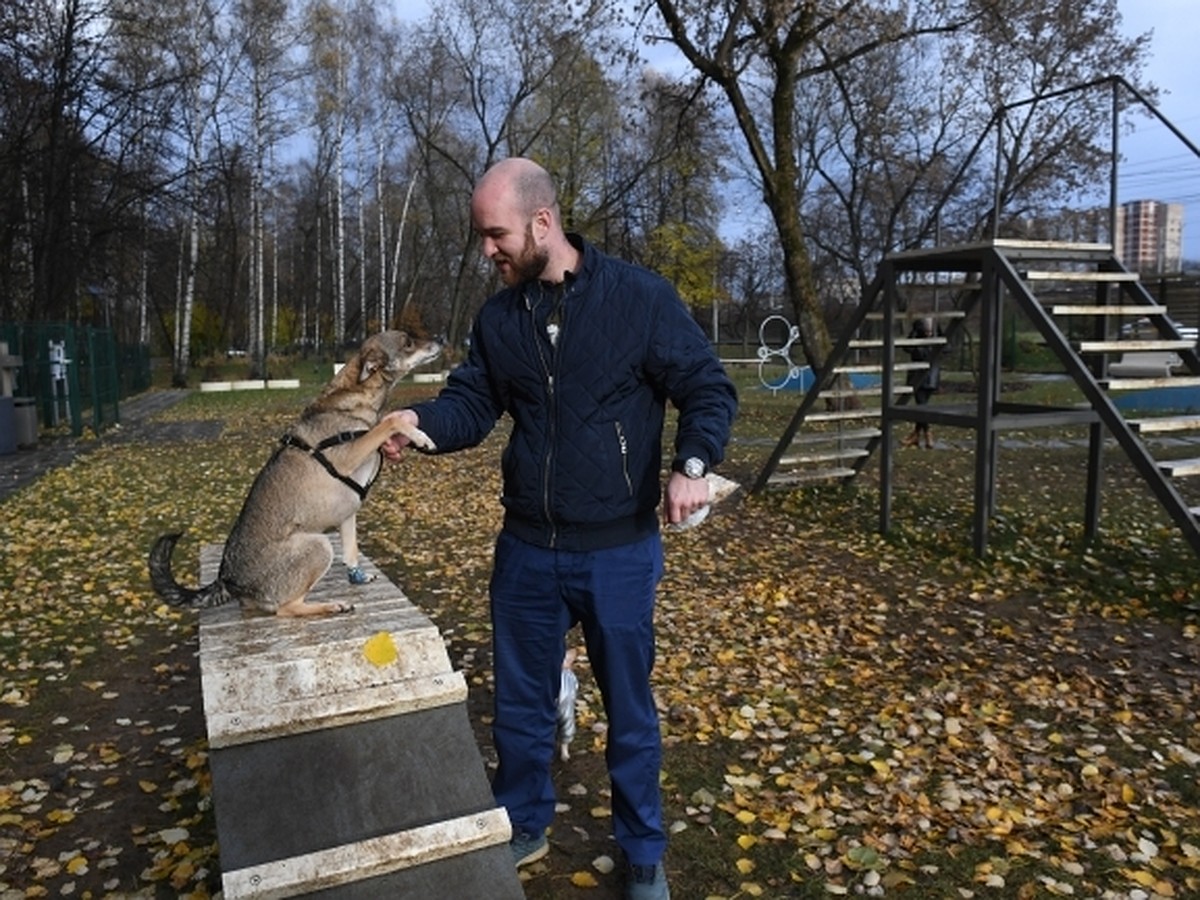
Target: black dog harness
[(316, 453)]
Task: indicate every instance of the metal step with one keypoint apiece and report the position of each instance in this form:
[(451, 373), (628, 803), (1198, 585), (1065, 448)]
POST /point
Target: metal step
[(876, 391), (1091, 309), (1180, 468), (877, 343), (1010, 248), (1087, 277), (831, 456), (1165, 423), (1141, 384), (875, 369), (1024, 249), (1135, 346), (855, 434), (844, 415), (935, 314), (780, 479)]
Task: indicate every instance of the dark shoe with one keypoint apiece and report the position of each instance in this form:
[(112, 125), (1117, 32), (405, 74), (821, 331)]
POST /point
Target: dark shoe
[(527, 848), (647, 883)]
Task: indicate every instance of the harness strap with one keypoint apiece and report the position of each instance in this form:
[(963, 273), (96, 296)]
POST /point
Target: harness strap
[(344, 437)]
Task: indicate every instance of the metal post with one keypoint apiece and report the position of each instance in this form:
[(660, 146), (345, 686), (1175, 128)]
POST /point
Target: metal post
[(985, 432), (1112, 172), (886, 444), (996, 174)]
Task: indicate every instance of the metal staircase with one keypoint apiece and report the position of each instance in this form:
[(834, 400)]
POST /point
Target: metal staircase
[(837, 428)]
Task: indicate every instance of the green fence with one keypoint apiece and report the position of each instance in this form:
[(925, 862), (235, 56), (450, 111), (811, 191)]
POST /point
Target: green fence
[(76, 372)]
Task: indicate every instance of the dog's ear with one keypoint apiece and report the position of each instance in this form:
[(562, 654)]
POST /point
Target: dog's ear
[(371, 360)]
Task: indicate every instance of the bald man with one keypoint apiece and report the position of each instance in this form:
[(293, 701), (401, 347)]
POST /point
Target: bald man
[(583, 351)]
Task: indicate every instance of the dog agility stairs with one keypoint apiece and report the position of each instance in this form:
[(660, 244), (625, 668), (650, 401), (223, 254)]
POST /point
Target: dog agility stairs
[(342, 758), (1088, 310)]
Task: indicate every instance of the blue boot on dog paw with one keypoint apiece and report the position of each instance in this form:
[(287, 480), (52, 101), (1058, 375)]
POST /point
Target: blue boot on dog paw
[(358, 576)]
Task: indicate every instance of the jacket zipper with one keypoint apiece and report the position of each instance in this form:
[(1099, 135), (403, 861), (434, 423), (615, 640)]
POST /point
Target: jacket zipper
[(623, 443), (551, 409)]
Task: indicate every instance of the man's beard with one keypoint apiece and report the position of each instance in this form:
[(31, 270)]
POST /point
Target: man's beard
[(529, 265)]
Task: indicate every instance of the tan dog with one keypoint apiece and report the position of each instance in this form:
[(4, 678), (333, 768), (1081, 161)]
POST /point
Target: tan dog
[(315, 481)]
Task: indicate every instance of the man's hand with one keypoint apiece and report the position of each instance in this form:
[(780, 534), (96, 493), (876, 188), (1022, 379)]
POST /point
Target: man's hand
[(394, 446), (684, 496)]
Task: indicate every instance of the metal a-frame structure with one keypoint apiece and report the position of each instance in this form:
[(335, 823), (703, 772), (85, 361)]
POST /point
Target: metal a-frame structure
[(837, 429), (838, 440)]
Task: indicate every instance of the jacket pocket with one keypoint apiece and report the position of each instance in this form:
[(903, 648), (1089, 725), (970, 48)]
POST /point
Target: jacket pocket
[(623, 456)]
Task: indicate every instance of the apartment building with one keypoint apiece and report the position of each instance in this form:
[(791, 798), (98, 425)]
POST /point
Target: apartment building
[(1149, 236)]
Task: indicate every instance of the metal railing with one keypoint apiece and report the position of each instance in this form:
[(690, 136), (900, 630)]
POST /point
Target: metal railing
[(1116, 84)]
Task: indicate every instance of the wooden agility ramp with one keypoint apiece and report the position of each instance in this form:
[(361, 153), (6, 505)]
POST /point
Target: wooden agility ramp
[(342, 758)]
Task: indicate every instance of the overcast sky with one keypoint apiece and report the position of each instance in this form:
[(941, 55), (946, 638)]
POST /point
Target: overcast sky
[(1159, 166)]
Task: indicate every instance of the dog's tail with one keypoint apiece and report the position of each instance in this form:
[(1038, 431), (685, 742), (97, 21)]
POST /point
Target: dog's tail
[(173, 592)]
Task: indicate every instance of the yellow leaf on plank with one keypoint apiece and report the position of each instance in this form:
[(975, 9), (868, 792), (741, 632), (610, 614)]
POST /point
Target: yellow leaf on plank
[(380, 650), (584, 880)]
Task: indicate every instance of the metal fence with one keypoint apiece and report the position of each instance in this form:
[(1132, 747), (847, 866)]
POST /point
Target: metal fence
[(75, 373)]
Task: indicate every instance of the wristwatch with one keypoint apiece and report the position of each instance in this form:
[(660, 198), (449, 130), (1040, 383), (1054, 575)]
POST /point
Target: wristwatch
[(692, 467)]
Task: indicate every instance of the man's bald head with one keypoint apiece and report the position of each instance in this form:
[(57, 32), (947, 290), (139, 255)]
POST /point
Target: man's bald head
[(528, 185), (514, 209)]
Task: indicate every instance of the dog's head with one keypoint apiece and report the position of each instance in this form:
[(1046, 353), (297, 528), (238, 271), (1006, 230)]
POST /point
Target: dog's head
[(390, 355)]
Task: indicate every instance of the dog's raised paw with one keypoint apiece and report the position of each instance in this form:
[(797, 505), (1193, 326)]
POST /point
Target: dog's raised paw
[(343, 608), (421, 440)]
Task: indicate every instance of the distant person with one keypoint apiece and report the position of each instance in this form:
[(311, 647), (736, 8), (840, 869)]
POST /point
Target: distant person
[(583, 352), (923, 381)]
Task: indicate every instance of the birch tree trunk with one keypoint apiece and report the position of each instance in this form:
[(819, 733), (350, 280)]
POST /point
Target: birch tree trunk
[(339, 231), (385, 317), (191, 255)]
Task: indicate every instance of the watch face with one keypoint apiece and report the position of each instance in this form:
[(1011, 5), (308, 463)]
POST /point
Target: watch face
[(694, 468)]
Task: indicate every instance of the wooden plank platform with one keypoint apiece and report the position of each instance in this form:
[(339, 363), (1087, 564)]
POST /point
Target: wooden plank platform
[(343, 761)]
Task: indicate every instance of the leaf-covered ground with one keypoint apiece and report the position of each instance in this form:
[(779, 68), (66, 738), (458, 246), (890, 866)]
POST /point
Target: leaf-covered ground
[(843, 713)]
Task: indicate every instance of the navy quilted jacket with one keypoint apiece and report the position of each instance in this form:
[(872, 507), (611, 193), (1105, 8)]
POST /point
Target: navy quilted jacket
[(582, 469)]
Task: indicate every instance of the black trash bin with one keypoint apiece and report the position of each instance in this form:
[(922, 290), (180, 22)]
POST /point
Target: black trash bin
[(8, 426), (26, 427)]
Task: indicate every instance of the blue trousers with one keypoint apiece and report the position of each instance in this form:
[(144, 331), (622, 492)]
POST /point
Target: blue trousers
[(536, 596)]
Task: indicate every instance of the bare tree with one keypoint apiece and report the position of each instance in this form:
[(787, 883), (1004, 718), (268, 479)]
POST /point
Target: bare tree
[(265, 47), (755, 48), (890, 138), (872, 110), (329, 65), (473, 94)]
